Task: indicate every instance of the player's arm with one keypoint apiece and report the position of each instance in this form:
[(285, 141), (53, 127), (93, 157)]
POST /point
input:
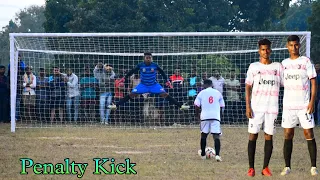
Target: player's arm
[(130, 73), (197, 103), (249, 83), (314, 88), (312, 74), (163, 74)]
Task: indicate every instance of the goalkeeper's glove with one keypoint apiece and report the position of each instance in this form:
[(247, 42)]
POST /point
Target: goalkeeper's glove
[(168, 84)]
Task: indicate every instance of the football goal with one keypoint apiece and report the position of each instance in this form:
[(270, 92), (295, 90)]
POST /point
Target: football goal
[(69, 79)]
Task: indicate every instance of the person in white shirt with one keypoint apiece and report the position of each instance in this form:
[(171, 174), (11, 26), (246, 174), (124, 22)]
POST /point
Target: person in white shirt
[(298, 106), (73, 95), (210, 101), (218, 81), (29, 93), (232, 98), (262, 95)]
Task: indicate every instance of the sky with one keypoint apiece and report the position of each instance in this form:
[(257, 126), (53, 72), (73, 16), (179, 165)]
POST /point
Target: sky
[(8, 8)]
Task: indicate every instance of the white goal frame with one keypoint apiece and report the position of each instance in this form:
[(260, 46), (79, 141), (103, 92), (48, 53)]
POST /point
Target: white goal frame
[(14, 50)]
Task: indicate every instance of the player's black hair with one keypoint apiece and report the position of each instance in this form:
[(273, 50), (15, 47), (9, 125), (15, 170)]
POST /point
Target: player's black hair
[(207, 82), (2, 67), (41, 69), (293, 38), (264, 42), (147, 54)]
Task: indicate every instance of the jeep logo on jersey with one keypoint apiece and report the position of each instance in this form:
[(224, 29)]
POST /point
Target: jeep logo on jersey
[(271, 82), (275, 72), (295, 76)]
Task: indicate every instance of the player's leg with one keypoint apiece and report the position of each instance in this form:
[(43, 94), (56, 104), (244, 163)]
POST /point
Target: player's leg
[(289, 122), (204, 129), (269, 129), (139, 89), (158, 89), (253, 129), (307, 123), (216, 133), (312, 147)]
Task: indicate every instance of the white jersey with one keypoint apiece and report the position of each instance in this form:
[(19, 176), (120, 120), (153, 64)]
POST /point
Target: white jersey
[(218, 83), (210, 100), (266, 81), (296, 81)]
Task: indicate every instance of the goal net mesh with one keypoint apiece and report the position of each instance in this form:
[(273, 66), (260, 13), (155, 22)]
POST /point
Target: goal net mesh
[(74, 86)]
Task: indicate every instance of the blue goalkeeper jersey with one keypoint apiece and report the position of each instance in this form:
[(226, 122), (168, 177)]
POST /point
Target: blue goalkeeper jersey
[(148, 73)]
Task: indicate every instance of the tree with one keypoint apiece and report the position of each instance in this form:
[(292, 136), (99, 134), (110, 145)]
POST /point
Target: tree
[(259, 15), (30, 19), (58, 14), (297, 15), (314, 26)]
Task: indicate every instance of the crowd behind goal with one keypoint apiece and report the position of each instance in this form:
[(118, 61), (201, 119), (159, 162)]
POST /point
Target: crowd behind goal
[(60, 95)]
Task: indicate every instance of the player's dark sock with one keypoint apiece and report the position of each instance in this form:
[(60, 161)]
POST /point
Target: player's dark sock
[(123, 100), (203, 143), (217, 146), (268, 146), (312, 146), (251, 152), (173, 101), (287, 151)]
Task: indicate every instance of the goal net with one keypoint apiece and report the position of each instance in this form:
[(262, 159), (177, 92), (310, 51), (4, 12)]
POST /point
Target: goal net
[(70, 79)]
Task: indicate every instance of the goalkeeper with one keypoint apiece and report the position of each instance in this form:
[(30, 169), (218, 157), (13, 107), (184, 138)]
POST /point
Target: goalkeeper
[(148, 76)]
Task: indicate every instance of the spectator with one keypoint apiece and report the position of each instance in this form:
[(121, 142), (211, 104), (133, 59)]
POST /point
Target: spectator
[(218, 81), (58, 93), (88, 86), (4, 95), (176, 79), (73, 96), (119, 89), (21, 65), (193, 86), (29, 94), (42, 95), (233, 98), (105, 76)]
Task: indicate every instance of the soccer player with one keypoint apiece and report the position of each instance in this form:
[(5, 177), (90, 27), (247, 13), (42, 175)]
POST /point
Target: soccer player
[(298, 107), (148, 75), (210, 101), (262, 94)]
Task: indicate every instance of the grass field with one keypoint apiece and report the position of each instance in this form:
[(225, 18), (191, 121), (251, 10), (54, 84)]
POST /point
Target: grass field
[(158, 153)]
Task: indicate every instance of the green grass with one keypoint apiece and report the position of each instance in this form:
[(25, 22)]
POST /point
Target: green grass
[(158, 154)]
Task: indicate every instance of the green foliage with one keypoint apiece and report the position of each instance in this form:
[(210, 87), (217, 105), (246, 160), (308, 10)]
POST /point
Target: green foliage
[(314, 27), (213, 62), (296, 17), (27, 20), (259, 15)]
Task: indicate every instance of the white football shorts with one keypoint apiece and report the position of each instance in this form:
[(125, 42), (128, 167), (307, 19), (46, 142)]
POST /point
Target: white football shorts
[(293, 118), (265, 119), (212, 126)]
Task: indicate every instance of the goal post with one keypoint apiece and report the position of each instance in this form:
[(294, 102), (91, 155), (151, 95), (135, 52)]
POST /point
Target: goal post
[(188, 57)]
